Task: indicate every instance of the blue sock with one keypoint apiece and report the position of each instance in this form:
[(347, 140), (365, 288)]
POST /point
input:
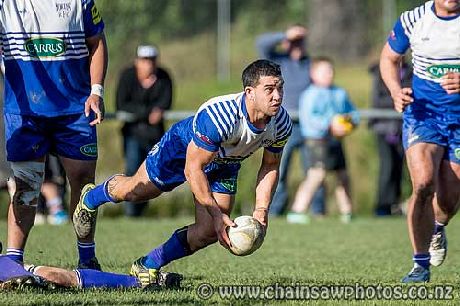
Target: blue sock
[(10, 268), (176, 247), (422, 260), (15, 254), (86, 251), (96, 279), (438, 227), (98, 196)]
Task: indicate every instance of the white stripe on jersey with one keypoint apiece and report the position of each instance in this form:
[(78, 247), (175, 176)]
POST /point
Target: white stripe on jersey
[(435, 42), (239, 140)]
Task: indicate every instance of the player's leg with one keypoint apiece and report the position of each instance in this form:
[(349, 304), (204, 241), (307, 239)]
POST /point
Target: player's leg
[(116, 189), (28, 177), (184, 241), (81, 173), (446, 204), (26, 148), (423, 160)]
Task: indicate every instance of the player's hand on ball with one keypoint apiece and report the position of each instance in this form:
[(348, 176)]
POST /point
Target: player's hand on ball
[(402, 98), (261, 215), (451, 82), (96, 104), (220, 226)]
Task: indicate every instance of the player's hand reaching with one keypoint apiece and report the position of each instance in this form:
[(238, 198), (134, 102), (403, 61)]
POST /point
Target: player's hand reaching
[(402, 98), (95, 104), (451, 82), (220, 226)]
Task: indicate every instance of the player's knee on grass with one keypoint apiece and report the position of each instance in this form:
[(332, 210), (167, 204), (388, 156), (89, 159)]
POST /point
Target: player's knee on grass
[(28, 178)]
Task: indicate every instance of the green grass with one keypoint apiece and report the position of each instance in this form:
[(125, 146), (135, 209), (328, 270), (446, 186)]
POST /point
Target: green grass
[(368, 251)]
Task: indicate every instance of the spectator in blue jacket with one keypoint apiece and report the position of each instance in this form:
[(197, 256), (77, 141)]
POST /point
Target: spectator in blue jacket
[(288, 50), (326, 115)]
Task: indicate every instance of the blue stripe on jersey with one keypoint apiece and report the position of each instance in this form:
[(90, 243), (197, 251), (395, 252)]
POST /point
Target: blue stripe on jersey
[(229, 119), (284, 126), (430, 95), (46, 88), (205, 133), (437, 59), (217, 120), (398, 40), (224, 123)]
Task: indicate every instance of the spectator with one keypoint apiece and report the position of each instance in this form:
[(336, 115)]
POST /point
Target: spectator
[(326, 115), (288, 50), (389, 143), (144, 93)]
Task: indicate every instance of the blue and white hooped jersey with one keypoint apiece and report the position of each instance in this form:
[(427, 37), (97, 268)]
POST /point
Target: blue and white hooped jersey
[(435, 44), (43, 44), (221, 125)]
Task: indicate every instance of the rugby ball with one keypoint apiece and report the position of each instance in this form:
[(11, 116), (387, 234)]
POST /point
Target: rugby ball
[(343, 121), (246, 237)]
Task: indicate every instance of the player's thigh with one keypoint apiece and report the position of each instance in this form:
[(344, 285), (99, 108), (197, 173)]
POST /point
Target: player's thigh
[(139, 187), (448, 191), (79, 172), (423, 161)]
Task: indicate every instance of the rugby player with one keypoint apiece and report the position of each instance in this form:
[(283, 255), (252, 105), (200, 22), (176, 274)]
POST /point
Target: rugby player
[(206, 150), (431, 123)]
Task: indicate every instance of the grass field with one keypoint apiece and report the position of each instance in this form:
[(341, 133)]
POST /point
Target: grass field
[(368, 251)]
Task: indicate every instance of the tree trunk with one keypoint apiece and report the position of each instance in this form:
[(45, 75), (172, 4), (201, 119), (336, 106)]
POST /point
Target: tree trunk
[(338, 28)]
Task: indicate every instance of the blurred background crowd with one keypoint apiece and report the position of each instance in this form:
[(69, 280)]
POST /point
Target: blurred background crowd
[(175, 54)]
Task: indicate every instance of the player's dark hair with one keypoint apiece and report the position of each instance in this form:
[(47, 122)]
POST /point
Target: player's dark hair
[(252, 73)]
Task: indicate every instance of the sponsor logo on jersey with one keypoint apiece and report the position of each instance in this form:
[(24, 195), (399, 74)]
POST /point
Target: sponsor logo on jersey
[(228, 184), (63, 8), (204, 138), (95, 15), (457, 153), (45, 46), (280, 143), (438, 71), (89, 149)]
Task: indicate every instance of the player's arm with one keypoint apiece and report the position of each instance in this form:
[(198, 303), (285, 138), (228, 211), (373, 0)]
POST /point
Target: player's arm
[(390, 63), (267, 179), (196, 160), (98, 61), (451, 82)]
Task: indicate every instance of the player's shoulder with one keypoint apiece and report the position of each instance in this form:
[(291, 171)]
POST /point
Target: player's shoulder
[(225, 106), (282, 117), (409, 18)]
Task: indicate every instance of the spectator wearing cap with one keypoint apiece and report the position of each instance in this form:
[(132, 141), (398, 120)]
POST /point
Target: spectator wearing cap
[(144, 92)]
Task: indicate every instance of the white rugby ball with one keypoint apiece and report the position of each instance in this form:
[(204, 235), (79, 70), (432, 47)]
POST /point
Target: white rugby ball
[(246, 237)]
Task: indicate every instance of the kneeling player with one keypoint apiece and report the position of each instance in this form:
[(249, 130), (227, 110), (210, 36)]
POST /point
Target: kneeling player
[(206, 150)]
